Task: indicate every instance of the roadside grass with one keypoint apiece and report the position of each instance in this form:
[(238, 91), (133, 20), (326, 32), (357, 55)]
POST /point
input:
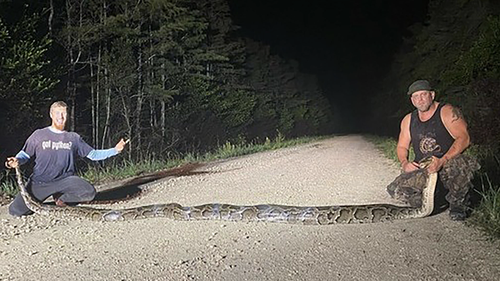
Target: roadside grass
[(486, 215), (8, 187), (98, 174), (228, 149), (387, 146)]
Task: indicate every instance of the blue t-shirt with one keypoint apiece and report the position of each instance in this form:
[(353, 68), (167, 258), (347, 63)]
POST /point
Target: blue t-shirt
[(54, 153)]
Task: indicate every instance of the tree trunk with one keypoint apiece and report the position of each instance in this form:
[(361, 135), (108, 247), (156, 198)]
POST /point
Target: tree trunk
[(93, 102), (108, 107), (98, 96), (51, 17), (70, 82), (126, 116), (140, 99)]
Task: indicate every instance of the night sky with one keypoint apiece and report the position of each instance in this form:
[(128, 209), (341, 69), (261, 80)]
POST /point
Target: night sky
[(348, 44)]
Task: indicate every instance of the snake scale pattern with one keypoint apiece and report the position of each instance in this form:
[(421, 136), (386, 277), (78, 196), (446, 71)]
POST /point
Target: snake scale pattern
[(319, 215)]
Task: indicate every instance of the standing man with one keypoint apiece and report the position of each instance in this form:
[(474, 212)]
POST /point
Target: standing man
[(54, 150), (438, 130)]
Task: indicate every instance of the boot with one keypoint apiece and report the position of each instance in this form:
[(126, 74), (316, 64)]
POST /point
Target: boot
[(458, 213)]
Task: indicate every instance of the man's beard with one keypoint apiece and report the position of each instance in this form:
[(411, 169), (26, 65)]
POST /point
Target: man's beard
[(424, 109), (60, 126)]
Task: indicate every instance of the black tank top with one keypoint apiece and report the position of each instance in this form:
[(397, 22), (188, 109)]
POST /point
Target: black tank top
[(429, 137)]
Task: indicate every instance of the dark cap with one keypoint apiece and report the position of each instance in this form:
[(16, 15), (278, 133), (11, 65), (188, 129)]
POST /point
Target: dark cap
[(419, 85)]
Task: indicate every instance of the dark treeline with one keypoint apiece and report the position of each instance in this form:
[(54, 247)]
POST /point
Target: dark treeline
[(458, 49), (168, 74)]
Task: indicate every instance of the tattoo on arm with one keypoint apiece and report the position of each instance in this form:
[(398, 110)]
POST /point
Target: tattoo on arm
[(457, 114)]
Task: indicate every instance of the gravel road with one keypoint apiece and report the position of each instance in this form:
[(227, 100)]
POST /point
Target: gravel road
[(339, 170)]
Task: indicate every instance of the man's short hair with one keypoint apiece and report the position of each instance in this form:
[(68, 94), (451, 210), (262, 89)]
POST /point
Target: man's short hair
[(58, 104)]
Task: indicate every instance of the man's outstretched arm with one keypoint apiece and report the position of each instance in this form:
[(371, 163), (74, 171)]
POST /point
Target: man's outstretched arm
[(101, 154)]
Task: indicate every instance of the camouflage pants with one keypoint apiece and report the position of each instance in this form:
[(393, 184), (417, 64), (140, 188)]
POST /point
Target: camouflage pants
[(455, 176)]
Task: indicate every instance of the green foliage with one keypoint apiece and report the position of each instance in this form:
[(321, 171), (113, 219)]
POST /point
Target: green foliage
[(285, 98), (8, 184), (22, 61), (26, 77), (482, 59), (234, 108), (487, 215), (229, 149), (387, 146)]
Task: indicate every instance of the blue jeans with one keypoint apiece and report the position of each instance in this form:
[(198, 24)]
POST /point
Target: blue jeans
[(71, 189)]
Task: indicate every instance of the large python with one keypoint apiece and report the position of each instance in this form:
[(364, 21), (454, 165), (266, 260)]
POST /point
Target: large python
[(321, 215)]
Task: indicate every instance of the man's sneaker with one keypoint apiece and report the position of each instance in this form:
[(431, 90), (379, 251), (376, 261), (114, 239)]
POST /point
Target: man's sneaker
[(458, 214)]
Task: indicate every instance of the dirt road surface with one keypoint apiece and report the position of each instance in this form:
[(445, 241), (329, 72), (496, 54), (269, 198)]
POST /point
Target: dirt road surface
[(339, 170)]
